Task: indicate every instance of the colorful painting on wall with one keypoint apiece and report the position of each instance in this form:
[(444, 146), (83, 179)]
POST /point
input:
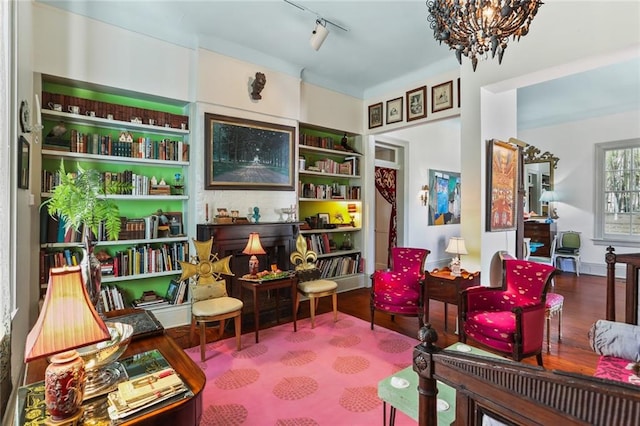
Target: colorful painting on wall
[(444, 197), (502, 182)]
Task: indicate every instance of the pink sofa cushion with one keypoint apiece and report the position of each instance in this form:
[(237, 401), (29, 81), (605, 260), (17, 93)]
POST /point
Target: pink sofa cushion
[(618, 369)]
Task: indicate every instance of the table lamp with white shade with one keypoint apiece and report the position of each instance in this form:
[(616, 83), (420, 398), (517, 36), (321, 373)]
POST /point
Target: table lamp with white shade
[(548, 197), (456, 246)]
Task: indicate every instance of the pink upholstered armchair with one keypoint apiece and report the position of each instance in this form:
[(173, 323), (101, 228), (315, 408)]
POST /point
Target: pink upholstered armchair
[(398, 291), (508, 319)]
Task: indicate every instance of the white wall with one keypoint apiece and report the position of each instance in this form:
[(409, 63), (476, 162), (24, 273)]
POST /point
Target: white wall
[(574, 179), (435, 145)]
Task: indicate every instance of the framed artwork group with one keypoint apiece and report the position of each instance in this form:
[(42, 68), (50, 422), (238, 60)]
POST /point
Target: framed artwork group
[(416, 102)]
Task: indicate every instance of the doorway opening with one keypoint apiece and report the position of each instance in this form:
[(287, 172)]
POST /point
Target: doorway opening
[(389, 200)]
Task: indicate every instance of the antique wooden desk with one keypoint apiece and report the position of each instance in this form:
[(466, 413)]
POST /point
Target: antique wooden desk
[(186, 411), (261, 285), (440, 285)]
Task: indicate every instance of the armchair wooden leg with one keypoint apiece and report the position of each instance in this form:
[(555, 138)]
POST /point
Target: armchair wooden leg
[(192, 332), (203, 339), (312, 307), (238, 324), (539, 359), (221, 330), (334, 296)]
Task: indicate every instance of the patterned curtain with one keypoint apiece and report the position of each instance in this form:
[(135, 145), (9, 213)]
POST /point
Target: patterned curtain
[(386, 186)]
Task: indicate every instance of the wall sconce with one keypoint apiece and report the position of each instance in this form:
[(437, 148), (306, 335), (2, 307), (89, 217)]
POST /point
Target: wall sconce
[(424, 197)]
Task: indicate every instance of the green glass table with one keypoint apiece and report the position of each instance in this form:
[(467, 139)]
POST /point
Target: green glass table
[(400, 391)]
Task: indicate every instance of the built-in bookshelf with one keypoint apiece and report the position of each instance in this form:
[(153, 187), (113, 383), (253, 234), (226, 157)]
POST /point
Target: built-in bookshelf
[(330, 202), (140, 146)]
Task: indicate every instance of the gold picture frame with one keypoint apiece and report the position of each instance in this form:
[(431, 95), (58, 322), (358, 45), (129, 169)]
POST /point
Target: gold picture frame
[(503, 165)]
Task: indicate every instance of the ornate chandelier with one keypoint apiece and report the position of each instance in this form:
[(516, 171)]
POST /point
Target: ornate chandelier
[(474, 27)]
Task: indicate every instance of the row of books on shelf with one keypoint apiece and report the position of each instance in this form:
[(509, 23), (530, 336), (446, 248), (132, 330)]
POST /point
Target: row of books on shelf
[(111, 298), (349, 166), (329, 192), (325, 142), (125, 146), (115, 183), (146, 259), (320, 243), (342, 265), (142, 259), (169, 224)]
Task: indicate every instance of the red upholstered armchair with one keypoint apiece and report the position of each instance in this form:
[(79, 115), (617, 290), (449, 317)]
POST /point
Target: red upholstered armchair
[(508, 319), (398, 291)]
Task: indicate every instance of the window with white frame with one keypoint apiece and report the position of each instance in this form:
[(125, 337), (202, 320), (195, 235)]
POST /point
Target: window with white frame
[(617, 198)]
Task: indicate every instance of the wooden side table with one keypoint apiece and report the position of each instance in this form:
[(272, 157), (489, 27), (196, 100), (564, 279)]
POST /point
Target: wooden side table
[(264, 285), (440, 285)]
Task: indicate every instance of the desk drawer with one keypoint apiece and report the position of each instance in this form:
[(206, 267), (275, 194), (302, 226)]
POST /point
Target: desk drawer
[(442, 289)]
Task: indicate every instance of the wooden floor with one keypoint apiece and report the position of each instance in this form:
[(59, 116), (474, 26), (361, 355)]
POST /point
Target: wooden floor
[(584, 303)]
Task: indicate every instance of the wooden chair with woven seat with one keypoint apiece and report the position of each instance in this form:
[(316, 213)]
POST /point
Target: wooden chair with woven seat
[(310, 283), (209, 300)]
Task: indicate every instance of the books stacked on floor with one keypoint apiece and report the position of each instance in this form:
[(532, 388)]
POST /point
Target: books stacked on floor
[(176, 292), (144, 391), (149, 300)]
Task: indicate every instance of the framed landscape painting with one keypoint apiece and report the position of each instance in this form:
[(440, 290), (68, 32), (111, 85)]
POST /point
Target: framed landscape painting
[(247, 154), (502, 186)]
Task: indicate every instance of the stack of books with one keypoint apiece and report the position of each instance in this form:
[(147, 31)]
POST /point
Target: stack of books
[(144, 391), (149, 300)]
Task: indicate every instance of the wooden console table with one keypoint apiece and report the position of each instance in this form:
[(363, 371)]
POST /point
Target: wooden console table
[(440, 285), (257, 285), (186, 411), (631, 285)]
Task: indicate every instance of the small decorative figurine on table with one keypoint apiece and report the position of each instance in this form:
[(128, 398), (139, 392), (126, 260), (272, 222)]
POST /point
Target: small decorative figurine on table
[(256, 214)]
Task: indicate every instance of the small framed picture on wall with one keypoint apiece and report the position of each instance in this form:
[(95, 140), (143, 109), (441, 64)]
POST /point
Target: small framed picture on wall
[(394, 110), (375, 115), (24, 153), (442, 96), (417, 103)]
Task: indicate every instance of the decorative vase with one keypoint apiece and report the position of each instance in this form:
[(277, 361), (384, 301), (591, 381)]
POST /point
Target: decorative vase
[(64, 383), (91, 273)]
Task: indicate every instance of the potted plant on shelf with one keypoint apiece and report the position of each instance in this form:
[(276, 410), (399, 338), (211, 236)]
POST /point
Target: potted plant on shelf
[(79, 201)]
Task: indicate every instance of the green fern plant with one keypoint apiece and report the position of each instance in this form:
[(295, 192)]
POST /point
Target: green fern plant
[(79, 199)]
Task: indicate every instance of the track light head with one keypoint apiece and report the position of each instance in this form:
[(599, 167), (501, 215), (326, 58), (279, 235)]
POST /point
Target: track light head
[(319, 34)]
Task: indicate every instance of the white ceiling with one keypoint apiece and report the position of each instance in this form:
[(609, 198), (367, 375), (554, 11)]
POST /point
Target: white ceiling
[(385, 41)]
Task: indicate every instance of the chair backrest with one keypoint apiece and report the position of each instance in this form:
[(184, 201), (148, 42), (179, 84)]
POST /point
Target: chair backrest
[(496, 268), (409, 260), (208, 291), (570, 239), (527, 279), (304, 260)]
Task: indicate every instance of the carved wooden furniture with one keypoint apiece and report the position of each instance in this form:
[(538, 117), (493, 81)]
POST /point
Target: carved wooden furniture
[(398, 291), (540, 232), (508, 319), (440, 285), (517, 393), (631, 285), (256, 286)]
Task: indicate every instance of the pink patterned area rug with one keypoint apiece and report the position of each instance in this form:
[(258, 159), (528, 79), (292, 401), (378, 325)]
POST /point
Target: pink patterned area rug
[(323, 376)]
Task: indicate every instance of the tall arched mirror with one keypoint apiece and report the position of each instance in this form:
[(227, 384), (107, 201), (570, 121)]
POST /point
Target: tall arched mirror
[(538, 177)]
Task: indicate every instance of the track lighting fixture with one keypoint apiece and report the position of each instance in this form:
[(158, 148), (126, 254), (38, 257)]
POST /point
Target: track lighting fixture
[(319, 34)]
